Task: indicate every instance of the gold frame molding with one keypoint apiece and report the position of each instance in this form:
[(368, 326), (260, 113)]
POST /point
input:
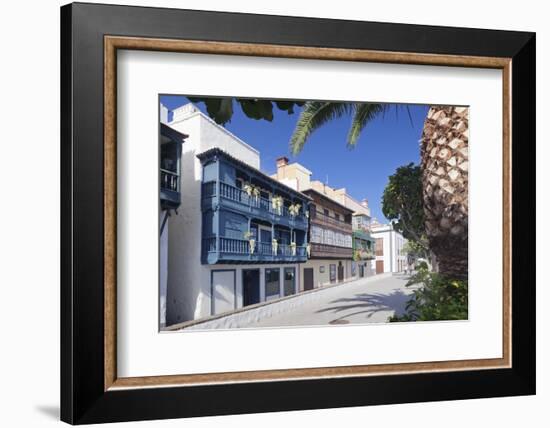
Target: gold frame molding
[(113, 43)]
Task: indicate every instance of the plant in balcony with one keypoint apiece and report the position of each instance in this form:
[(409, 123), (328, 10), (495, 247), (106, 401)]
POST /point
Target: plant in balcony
[(274, 246), (294, 209), (252, 191), (277, 204), (251, 241), (293, 248)]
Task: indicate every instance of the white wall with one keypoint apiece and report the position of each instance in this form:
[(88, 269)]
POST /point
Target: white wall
[(393, 243), (323, 278), (37, 283), (163, 267)]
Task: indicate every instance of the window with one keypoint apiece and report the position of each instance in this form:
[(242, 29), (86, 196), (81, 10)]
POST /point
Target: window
[(290, 281), (330, 237), (232, 225), (312, 210), (316, 234), (379, 246), (348, 241), (272, 283), (332, 273)]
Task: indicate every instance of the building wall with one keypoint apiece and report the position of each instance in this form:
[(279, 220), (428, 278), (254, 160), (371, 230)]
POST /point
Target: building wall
[(163, 268), (321, 279), (393, 242), (188, 283)]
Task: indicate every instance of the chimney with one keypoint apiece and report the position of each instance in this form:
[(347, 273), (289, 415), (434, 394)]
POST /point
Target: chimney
[(282, 161)]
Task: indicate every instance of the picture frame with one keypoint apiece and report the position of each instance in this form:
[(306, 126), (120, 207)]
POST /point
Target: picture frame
[(91, 391)]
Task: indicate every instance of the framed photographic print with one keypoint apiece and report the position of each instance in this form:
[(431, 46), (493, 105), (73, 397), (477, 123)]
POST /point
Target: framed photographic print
[(275, 213)]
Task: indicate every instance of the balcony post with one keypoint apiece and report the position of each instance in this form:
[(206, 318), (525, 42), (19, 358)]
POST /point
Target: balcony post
[(217, 209), (272, 238)]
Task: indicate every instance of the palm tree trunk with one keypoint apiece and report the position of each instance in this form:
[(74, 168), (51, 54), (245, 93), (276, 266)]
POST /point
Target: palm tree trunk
[(444, 162)]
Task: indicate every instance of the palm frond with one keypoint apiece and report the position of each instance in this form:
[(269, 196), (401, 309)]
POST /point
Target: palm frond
[(315, 114), (363, 114)]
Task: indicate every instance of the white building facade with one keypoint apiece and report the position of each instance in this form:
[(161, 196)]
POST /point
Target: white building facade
[(389, 244)]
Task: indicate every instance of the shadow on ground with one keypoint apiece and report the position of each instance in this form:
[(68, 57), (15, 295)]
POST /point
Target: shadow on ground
[(368, 304)]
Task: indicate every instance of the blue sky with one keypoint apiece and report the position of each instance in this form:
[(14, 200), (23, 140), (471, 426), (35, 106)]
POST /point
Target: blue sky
[(386, 143)]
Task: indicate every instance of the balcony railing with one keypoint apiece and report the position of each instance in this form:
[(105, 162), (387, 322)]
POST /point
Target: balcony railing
[(363, 254), (321, 218), (324, 250), (169, 189), (168, 180), (262, 250), (240, 196)]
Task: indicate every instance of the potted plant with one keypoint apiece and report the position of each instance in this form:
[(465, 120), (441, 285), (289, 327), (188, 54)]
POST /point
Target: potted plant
[(251, 241), (248, 189), (294, 209), (293, 248), (277, 204), (252, 191), (274, 246), (256, 193)]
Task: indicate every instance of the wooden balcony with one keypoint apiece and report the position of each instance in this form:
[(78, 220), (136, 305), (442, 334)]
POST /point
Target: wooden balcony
[(324, 220), (254, 206), (324, 251), (229, 250), (170, 196)]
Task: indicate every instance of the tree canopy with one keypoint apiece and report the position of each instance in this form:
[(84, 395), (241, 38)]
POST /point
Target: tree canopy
[(221, 109), (402, 203)]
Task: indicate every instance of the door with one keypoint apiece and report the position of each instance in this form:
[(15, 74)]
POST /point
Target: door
[(272, 284), (251, 286), (223, 291), (340, 272), (379, 266), (332, 273), (308, 278), (289, 281)]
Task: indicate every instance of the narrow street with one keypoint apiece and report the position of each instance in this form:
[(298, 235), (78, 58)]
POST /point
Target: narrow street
[(367, 300)]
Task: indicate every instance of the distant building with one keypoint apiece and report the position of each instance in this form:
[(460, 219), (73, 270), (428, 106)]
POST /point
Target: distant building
[(240, 235), (389, 245)]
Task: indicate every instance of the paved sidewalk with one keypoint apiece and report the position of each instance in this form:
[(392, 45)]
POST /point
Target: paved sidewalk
[(369, 300)]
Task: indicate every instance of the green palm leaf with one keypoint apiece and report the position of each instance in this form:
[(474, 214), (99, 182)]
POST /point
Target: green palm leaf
[(363, 113), (315, 114)]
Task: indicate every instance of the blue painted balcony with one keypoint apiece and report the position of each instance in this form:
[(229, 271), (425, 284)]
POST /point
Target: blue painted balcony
[(244, 212), (231, 251), (234, 198)]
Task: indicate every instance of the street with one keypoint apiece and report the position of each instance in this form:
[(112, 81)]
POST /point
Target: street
[(367, 300)]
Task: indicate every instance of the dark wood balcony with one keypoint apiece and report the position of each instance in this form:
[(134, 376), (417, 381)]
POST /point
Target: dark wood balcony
[(324, 251), (324, 220), (170, 195)]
